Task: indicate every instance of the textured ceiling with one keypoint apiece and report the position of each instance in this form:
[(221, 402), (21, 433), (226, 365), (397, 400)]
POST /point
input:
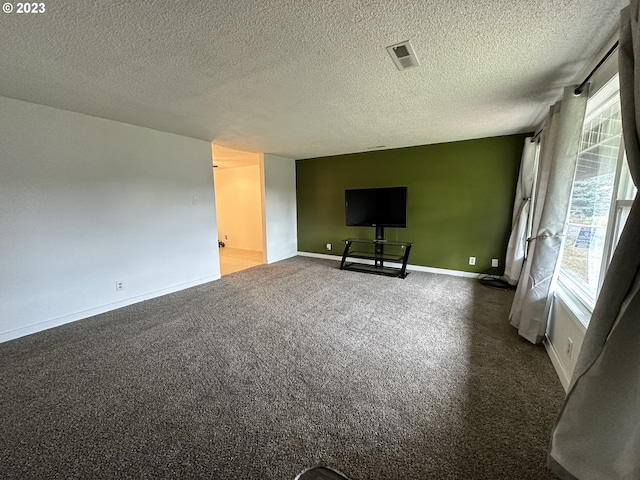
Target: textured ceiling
[(305, 78)]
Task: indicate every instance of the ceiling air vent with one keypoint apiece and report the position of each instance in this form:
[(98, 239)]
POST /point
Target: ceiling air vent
[(403, 55)]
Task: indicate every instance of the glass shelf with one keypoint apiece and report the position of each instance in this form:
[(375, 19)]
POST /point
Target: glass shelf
[(380, 242), (378, 256)]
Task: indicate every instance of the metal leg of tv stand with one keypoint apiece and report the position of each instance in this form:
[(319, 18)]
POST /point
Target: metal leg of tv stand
[(405, 259), (344, 254)]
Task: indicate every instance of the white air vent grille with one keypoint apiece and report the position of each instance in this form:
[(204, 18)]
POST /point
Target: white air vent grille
[(403, 55)]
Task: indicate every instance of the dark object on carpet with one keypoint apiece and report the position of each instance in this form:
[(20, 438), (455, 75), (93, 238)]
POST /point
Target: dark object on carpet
[(321, 473), (491, 278)]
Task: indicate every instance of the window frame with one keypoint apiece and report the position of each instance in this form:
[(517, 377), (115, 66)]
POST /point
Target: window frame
[(621, 200)]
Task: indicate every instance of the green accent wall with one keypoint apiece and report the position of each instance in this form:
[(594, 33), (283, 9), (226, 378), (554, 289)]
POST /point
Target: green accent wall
[(460, 199)]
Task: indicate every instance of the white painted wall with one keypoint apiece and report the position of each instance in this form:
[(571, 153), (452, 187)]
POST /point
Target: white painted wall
[(239, 206), (279, 204), (85, 202), (565, 325)]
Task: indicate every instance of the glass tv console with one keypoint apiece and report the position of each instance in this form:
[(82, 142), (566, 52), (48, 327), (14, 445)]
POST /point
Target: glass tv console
[(377, 252)]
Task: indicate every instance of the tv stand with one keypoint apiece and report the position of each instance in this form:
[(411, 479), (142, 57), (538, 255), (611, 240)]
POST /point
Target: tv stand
[(397, 252)]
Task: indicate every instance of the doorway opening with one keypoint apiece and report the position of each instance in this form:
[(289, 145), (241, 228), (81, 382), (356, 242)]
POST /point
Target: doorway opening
[(237, 183)]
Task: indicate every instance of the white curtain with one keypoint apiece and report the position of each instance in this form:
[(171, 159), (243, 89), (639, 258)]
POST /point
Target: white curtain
[(520, 230), (597, 435), (559, 143)]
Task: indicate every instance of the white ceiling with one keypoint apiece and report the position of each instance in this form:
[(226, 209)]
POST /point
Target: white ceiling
[(305, 78)]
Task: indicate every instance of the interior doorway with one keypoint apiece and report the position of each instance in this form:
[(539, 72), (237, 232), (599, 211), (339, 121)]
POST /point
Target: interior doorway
[(237, 180)]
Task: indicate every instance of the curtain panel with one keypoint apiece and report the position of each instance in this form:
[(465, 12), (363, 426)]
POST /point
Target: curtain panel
[(597, 434), (560, 142), (517, 247)]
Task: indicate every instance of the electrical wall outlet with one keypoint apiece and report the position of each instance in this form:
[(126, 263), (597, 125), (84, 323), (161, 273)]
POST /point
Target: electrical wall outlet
[(119, 285), (226, 238), (494, 262), (194, 200), (472, 260), (328, 246), (569, 347)]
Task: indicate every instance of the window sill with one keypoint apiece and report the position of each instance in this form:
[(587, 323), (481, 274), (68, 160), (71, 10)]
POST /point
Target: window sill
[(581, 312)]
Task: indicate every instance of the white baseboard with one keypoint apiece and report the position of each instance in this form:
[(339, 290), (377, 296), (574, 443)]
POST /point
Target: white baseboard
[(56, 322), (282, 257), (415, 268), (557, 364)]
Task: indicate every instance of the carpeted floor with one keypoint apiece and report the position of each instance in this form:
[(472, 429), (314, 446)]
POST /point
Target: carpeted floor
[(280, 367)]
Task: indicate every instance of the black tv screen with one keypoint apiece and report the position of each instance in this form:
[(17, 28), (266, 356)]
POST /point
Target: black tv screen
[(376, 207)]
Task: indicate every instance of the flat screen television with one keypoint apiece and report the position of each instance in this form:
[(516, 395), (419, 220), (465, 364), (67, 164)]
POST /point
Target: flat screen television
[(376, 207)]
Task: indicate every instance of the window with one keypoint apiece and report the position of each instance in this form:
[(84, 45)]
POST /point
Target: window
[(600, 199)]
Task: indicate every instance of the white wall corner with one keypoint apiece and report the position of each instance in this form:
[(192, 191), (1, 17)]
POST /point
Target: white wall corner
[(279, 203)]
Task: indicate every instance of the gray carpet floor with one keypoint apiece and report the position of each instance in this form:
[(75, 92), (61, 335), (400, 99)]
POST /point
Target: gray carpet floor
[(281, 367)]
